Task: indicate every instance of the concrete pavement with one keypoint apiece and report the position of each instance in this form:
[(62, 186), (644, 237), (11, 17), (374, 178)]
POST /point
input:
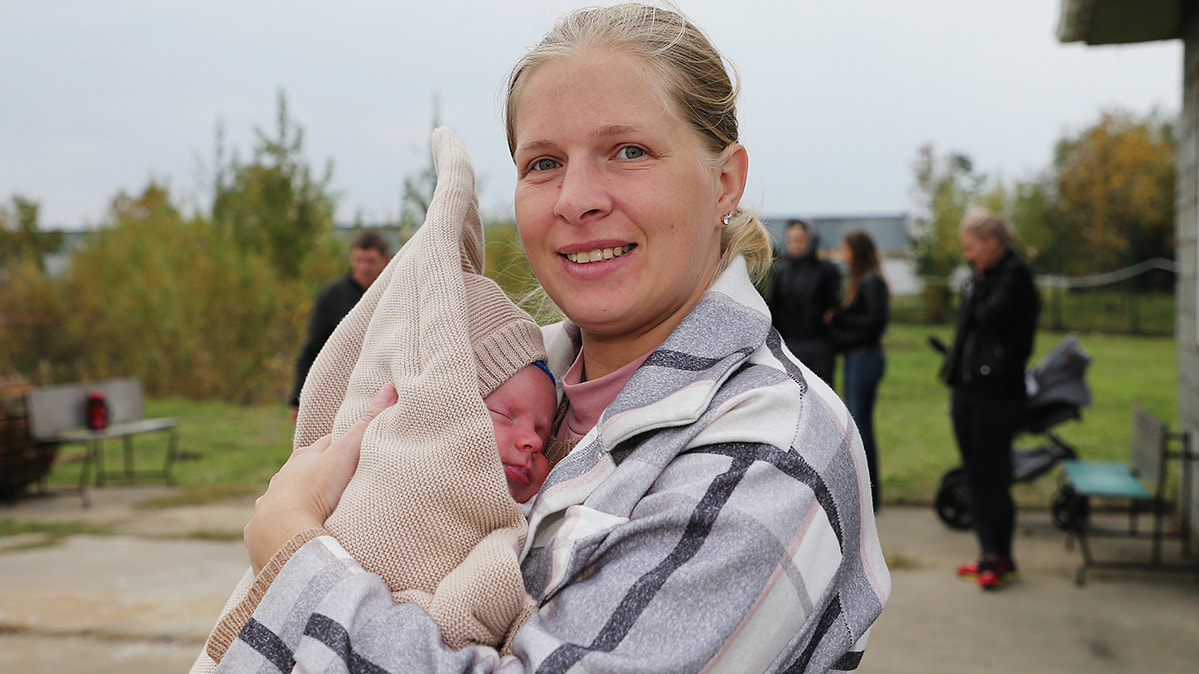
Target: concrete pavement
[(144, 598), (1119, 622)]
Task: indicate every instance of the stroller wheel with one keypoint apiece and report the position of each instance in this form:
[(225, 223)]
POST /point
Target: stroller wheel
[(1068, 509), (952, 502)]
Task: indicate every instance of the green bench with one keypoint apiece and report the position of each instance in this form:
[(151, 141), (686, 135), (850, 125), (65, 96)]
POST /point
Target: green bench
[(1141, 486), (1105, 478)]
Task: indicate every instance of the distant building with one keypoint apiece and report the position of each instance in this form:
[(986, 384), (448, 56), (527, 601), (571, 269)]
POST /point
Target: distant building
[(55, 262), (890, 233), (1102, 22)]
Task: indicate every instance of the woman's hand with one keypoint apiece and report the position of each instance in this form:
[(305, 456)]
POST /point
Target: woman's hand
[(307, 488)]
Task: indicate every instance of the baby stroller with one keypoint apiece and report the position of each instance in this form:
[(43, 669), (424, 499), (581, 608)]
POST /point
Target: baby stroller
[(1057, 392)]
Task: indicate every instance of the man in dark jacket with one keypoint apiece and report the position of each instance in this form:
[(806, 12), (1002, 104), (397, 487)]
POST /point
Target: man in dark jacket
[(368, 257), (802, 290), (985, 369)]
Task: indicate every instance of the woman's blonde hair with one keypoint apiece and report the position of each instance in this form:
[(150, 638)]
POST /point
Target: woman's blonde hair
[(693, 74), (989, 225)]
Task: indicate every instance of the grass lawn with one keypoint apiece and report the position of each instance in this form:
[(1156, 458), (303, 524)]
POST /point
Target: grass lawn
[(916, 444), (226, 450), (230, 450)]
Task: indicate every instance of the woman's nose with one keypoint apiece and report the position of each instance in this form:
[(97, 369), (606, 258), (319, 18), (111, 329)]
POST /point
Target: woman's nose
[(581, 192)]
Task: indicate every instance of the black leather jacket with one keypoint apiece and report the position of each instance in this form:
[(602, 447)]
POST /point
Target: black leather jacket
[(801, 290), (863, 322), (995, 332), (332, 304)]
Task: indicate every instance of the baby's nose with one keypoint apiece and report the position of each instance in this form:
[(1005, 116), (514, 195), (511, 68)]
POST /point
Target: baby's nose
[(532, 443)]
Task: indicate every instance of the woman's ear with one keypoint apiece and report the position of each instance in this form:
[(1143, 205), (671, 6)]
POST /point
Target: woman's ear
[(734, 167)]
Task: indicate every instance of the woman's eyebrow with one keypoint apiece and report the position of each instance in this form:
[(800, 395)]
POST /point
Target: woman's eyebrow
[(613, 130), (534, 146), (606, 131)]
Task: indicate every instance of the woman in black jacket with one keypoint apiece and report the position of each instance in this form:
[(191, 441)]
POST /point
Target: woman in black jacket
[(985, 370), (858, 327), (803, 290)]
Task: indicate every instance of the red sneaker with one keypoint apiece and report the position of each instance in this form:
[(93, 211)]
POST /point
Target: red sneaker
[(1002, 571), (968, 571), (996, 574)]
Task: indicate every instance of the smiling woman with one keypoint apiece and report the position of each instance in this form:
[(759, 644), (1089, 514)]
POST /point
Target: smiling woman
[(594, 182), (701, 451)]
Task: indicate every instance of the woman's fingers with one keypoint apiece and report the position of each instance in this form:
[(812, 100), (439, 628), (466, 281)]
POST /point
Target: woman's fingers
[(308, 486), (318, 446), (341, 459), (386, 397)]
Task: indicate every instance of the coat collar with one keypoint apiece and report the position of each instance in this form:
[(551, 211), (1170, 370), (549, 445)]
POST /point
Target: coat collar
[(676, 383), (673, 387)]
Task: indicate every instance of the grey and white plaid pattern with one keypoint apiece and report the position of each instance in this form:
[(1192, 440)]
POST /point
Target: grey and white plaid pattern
[(716, 519)]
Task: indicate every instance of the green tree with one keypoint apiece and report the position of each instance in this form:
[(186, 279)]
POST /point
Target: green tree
[(417, 195), (1029, 209), (176, 302), (274, 205), (20, 236), (32, 310), (508, 267), (1114, 192), (946, 187), (1107, 200)]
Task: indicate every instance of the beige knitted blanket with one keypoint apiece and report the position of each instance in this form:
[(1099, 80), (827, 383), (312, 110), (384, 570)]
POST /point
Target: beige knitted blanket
[(428, 508)]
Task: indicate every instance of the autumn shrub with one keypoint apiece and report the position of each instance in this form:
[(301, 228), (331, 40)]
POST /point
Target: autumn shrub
[(178, 304), (207, 306), (32, 310)]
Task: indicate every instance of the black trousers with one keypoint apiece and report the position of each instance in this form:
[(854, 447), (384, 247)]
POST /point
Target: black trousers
[(984, 427)]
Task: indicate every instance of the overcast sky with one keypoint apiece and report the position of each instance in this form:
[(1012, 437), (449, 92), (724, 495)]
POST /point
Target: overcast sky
[(97, 97)]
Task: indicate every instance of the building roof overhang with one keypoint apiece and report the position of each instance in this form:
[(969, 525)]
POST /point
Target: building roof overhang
[(1120, 21)]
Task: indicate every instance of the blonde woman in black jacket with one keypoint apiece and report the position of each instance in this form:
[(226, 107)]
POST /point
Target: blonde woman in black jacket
[(985, 370)]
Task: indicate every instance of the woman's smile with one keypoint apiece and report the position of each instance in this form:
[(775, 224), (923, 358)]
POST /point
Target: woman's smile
[(619, 207), (598, 254)]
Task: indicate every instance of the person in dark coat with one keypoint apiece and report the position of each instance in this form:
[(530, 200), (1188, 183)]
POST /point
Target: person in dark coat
[(368, 257), (858, 326), (985, 370), (803, 289)]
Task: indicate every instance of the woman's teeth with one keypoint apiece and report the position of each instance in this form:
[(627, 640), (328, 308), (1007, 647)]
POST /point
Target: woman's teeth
[(589, 256)]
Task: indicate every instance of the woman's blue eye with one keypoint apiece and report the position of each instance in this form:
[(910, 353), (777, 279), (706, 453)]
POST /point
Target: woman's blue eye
[(632, 152), (545, 164)]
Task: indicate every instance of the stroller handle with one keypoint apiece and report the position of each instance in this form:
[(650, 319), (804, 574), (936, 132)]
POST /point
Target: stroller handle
[(938, 345)]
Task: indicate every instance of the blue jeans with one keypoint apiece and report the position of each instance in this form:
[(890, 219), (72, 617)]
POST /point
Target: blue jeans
[(864, 369)]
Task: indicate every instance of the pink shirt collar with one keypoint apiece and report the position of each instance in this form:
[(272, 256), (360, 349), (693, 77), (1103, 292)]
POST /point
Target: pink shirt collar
[(589, 399)]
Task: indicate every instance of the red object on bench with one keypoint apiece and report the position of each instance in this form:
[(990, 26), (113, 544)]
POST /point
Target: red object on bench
[(97, 410)]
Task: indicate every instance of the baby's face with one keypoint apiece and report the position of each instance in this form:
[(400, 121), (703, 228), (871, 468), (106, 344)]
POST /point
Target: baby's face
[(522, 411)]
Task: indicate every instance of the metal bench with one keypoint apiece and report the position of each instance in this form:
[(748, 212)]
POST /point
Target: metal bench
[(1141, 486), (58, 416)]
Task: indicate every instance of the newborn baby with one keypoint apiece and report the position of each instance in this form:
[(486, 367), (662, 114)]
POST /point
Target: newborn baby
[(427, 509), (522, 410)]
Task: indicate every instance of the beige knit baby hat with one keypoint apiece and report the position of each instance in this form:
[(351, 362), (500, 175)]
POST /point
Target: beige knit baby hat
[(504, 336)]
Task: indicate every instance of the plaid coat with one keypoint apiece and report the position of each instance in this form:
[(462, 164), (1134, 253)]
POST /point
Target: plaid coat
[(716, 519)]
